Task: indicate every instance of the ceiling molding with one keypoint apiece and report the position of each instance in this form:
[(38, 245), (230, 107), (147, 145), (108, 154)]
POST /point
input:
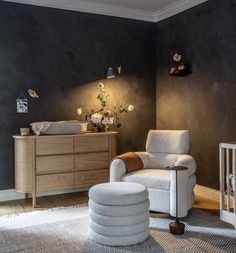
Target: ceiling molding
[(115, 11), (176, 8), (90, 7)]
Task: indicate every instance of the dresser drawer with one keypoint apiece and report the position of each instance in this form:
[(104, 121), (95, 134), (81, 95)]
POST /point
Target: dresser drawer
[(55, 182), (92, 161), (90, 178), (54, 145), (91, 144), (54, 164)]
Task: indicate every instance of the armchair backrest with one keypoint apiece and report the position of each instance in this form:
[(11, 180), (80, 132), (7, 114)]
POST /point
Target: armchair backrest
[(168, 141)]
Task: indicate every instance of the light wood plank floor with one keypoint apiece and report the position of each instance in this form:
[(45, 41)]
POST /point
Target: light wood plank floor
[(25, 205)]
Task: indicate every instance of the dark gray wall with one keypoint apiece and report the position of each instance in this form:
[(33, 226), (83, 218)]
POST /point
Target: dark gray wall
[(62, 55), (203, 102)]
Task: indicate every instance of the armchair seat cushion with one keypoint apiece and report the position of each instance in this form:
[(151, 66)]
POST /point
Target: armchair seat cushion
[(150, 178)]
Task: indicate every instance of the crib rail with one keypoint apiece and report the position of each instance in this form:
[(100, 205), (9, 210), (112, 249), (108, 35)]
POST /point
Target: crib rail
[(227, 159)]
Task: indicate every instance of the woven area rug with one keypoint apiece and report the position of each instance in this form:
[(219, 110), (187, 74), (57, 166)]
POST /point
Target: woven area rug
[(66, 230)]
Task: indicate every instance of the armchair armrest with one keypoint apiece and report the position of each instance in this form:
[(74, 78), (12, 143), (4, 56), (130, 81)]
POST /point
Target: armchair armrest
[(126, 163), (117, 170), (188, 162)]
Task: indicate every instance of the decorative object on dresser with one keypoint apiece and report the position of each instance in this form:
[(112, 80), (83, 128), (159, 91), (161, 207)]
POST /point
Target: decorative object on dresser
[(102, 119), (45, 163), (228, 182), (24, 131), (163, 148)]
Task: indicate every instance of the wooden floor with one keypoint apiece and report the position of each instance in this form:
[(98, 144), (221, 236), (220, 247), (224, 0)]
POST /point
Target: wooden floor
[(207, 205), (25, 205)]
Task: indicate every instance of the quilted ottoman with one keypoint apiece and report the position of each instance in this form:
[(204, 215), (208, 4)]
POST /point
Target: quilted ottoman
[(119, 213)]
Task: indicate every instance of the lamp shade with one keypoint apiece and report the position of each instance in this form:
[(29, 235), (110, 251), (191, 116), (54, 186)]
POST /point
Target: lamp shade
[(110, 73)]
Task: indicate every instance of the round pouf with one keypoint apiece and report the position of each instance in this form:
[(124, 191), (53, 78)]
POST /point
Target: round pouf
[(119, 213)]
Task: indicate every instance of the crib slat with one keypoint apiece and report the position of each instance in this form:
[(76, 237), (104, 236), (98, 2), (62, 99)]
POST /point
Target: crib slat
[(222, 182), (234, 173), (227, 179)]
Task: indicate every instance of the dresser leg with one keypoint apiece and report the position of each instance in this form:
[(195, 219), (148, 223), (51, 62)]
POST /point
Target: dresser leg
[(34, 197), (34, 200)]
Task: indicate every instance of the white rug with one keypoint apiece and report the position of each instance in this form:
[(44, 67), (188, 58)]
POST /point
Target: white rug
[(66, 230)]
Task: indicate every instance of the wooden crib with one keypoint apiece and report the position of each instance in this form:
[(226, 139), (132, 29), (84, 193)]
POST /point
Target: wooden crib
[(227, 153)]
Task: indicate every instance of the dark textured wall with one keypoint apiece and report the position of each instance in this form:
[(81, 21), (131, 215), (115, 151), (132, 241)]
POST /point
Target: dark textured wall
[(62, 55), (203, 102)]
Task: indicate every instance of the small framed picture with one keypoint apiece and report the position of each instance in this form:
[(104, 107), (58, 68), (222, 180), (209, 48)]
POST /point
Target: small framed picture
[(22, 105)]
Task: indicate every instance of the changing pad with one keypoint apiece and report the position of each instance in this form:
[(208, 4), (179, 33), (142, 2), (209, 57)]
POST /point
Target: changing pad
[(59, 127)]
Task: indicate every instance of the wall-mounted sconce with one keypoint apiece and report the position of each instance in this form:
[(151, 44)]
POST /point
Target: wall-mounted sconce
[(111, 72), (178, 67)]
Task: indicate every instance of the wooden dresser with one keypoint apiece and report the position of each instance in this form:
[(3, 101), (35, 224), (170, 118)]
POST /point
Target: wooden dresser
[(45, 163)]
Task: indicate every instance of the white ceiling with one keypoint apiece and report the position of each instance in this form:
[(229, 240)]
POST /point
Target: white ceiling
[(146, 10)]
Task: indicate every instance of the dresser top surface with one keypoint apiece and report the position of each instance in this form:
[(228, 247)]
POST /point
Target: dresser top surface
[(18, 136)]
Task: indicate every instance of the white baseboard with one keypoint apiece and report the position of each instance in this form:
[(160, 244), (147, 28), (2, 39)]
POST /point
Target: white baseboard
[(6, 195), (207, 192), (12, 194), (228, 217)]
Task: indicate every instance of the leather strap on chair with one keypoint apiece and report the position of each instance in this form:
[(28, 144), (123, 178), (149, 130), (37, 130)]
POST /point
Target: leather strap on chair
[(132, 161)]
